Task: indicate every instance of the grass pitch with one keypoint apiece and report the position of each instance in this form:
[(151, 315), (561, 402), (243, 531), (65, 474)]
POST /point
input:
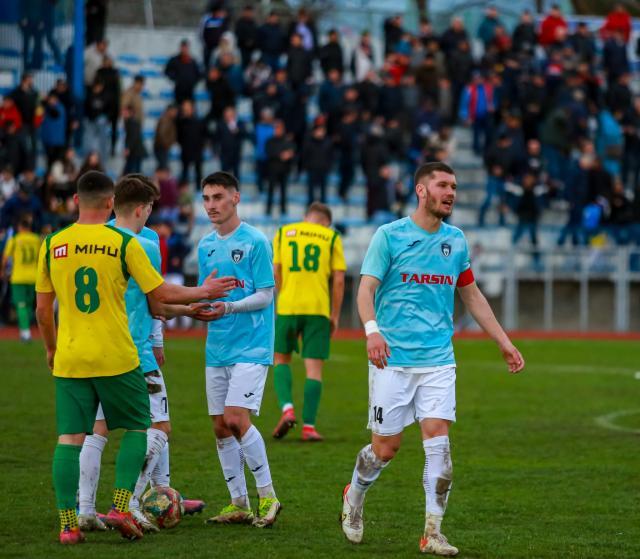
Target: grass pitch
[(535, 474)]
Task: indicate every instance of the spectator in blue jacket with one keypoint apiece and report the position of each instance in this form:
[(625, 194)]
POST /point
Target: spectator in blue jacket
[(263, 131), (53, 131), (487, 29)]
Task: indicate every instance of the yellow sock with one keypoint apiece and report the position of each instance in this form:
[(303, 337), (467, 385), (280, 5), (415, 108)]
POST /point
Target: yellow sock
[(68, 519), (121, 499)]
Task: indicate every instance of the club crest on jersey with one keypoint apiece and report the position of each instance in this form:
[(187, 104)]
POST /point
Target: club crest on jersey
[(61, 251), (446, 249), (236, 255), (290, 233)]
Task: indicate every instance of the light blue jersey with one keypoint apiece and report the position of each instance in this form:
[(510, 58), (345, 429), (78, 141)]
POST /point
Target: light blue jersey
[(138, 314), (419, 272), (243, 337)]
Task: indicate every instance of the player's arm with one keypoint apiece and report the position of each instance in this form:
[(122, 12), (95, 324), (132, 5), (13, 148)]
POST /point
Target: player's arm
[(199, 311), (481, 311), (277, 274), (259, 300), (46, 323), (8, 253), (337, 296), (157, 341), (377, 348)]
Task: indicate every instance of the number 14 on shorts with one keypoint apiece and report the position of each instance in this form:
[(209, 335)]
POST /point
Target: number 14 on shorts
[(377, 414)]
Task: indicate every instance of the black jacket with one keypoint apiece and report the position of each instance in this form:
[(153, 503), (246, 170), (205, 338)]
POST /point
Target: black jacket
[(185, 76), (192, 133), (298, 65), (316, 155), (221, 95), (275, 146), (246, 33), (331, 58), (133, 138)]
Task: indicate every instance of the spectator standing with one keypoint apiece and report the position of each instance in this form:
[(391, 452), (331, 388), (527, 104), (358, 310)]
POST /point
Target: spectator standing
[(330, 98), (263, 131), (476, 109), (95, 13), (528, 204), (487, 28), (609, 142), (524, 35), (618, 21), (110, 77), (132, 97), (347, 138), (331, 55), (63, 93), (221, 93), (134, 150), (552, 27), (583, 43), (460, 66), (392, 33), (363, 59), (246, 31), (184, 72), (53, 130), (92, 162), (304, 26), (576, 192), (631, 156), (96, 122), (317, 161), (615, 60), (64, 173), (271, 41), (280, 154), (8, 184), (26, 101), (231, 134), (167, 204), (212, 26), (299, 62), (166, 135), (93, 60), (192, 133), (452, 36), (499, 161)]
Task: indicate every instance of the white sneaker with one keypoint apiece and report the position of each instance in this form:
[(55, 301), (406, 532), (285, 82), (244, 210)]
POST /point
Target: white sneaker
[(433, 541), (91, 523), (351, 519), (143, 521)]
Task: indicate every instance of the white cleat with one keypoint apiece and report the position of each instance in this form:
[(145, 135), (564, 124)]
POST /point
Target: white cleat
[(91, 523), (351, 519), (437, 544), (143, 521)]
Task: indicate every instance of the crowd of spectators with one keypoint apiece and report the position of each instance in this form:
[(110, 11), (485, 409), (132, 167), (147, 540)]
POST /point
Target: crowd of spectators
[(551, 111)]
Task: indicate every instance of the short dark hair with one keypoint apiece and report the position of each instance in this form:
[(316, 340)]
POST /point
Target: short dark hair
[(221, 178), (134, 190), (93, 186), (26, 220), (427, 170), (319, 207)]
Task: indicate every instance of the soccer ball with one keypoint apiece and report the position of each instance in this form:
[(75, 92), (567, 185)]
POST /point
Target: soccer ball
[(162, 506)]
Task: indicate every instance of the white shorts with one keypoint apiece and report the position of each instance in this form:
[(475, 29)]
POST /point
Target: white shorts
[(240, 385), (157, 398), (398, 398)]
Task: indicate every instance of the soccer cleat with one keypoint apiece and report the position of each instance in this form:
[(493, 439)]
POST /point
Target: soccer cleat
[(71, 536), (310, 434), (143, 521), (192, 506), (268, 510), (91, 523), (437, 544), (286, 423), (232, 514), (125, 524), (351, 519)]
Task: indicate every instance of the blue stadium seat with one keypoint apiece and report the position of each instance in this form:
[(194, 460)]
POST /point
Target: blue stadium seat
[(10, 53), (129, 59), (150, 73), (159, 60), (201, 95)]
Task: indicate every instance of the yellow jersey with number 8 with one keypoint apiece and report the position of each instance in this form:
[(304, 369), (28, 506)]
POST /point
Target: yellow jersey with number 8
[(308, 254), (88, 267), (22, 248)]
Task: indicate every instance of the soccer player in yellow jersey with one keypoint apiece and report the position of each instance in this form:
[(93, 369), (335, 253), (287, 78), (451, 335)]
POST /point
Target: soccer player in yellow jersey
[(307, 257), (22, 251), (86, 266)]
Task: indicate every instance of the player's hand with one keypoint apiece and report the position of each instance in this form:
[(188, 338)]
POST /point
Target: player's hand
[(51, 353), (217, 288), (378, 350), (333, 325), (201, 311), (512, 357), (158, 353)]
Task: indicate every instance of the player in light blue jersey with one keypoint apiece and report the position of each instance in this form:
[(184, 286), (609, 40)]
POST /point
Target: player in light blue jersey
[(409, 276), (239, 349), (134, 197)]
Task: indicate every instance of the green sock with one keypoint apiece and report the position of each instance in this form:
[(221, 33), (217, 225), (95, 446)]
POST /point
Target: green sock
[(133, 449), (66, 474), (312, 393), (24, 316), (283, 381)]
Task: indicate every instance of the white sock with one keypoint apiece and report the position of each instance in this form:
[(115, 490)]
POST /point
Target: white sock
[(367, 470), (25, 334), (90, 458), (161, 477), (437, 477), (232, 462), (255, 454), (156, 440)]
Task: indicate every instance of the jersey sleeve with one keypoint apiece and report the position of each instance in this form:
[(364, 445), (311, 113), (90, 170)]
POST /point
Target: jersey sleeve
[(43, 278), (277, 242), (140, 267), (338, 262), (465, 274), (262, 264), (202, 273), (378, 258), (153, 252)]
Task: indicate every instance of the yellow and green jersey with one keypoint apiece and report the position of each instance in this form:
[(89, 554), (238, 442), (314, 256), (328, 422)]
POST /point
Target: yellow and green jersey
[(308, 254), (88, 268), (22, 248)]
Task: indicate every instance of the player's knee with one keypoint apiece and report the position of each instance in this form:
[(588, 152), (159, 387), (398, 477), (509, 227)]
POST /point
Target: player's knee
[(386, 450), (281, 359), (100, 428), (237, 423), (75, 439), (163, 426)]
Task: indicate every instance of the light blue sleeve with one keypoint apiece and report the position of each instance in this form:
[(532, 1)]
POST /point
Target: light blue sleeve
[(201, 271), (262, 264), (153, 252), (378, 258), (465, 262)]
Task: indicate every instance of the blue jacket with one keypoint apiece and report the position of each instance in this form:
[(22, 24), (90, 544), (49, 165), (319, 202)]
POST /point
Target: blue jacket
[(263, 132), (54, 125)]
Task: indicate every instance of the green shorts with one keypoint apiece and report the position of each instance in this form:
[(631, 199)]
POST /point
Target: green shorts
[(23, 294), (124, 399), (315, 331)]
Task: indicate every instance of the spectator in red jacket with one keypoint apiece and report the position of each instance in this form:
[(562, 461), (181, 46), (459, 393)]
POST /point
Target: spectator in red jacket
[(550, 25), (617, 20), (10, 113)]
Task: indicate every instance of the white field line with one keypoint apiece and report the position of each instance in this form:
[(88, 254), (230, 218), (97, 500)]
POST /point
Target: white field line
[(608, 421)]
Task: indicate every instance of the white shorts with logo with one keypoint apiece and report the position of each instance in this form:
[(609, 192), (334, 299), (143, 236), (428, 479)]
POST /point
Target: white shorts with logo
[(240, 385), (158, 401), (397, 398)]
